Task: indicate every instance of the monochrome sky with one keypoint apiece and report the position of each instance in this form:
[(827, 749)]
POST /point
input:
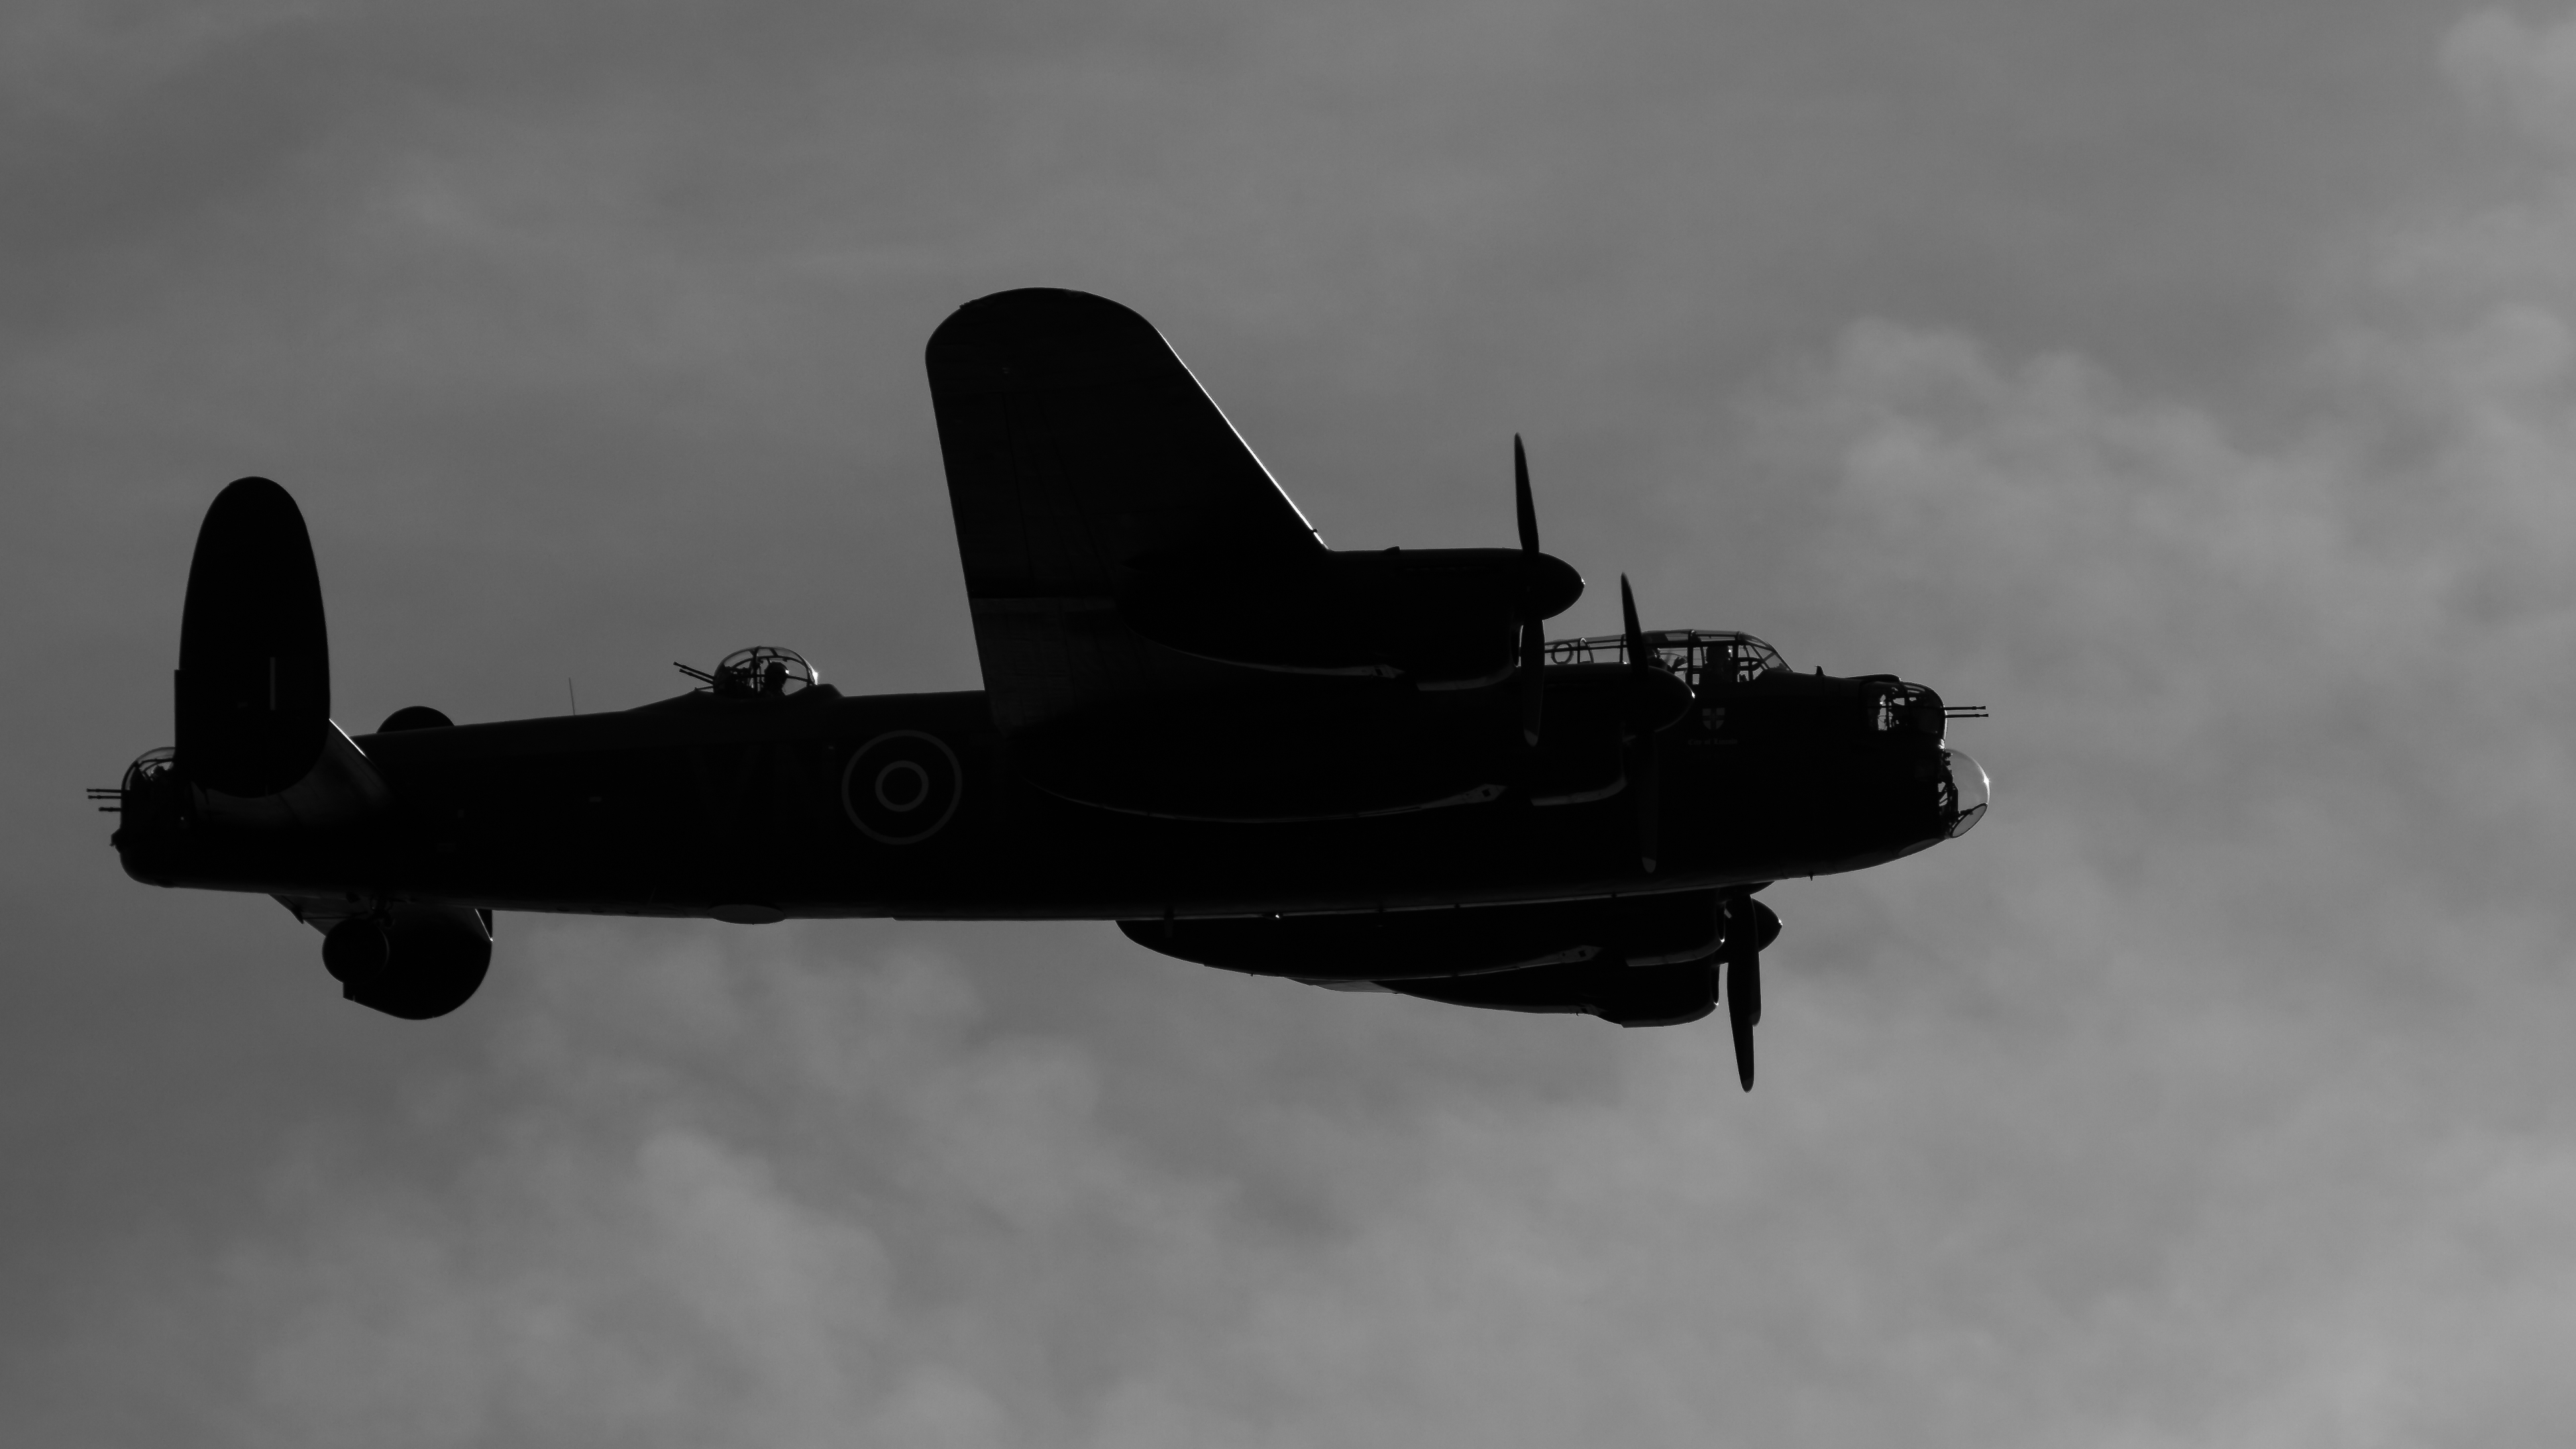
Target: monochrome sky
[(2194, 384)]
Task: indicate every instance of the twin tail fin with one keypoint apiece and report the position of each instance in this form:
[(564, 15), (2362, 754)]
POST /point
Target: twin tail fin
[(254, 685)]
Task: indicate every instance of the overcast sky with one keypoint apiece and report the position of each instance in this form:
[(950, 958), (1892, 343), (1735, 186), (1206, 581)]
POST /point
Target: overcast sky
[(2194, 384)]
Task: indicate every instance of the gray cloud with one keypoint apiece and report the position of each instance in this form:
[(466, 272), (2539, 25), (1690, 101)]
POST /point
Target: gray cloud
[(2215, 1092)]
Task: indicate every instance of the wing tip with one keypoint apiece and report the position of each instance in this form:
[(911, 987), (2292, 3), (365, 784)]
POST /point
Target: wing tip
[(1045, 335)]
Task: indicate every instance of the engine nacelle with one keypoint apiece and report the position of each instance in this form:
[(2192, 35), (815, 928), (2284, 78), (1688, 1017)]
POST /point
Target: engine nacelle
[(1626, 932), (415, 962)]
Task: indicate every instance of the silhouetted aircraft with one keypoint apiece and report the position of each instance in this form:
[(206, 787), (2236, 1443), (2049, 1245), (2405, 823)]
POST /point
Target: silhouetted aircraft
[(1362, 770)]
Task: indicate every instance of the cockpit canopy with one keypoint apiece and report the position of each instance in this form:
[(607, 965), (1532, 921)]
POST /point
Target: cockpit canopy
[(1702, 657), (762, 671)]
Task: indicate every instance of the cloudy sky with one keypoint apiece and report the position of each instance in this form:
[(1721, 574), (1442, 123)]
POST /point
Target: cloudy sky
[(2194, 384)]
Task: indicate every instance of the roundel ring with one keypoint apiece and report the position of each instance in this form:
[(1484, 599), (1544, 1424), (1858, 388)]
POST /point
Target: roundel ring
[(901, 787)]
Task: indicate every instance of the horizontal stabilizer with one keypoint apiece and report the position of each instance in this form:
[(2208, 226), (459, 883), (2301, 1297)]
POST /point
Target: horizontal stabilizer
[(254, 684)]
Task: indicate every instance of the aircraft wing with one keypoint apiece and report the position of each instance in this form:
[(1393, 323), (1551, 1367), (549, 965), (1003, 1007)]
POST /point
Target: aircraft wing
[(1078, 449)]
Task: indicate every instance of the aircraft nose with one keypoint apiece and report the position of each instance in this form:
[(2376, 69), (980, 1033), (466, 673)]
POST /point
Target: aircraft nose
[(1970, 792)]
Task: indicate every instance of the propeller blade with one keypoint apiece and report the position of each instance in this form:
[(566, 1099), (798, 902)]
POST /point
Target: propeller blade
[(1645, 776), (1522, 503), (1743, 1007), (1533, 640), (1742, 954), (1533, 686)]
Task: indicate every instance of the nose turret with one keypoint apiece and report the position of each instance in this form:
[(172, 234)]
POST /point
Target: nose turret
[(1969, 792)]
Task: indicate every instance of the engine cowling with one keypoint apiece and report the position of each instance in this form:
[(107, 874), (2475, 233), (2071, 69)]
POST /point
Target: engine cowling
[(1665, 993), (414, 962), (1633, 960), (1625, 932), (1441, 617)]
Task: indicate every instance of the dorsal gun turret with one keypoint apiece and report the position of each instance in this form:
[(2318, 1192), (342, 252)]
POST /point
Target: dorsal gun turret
[(763, 671)]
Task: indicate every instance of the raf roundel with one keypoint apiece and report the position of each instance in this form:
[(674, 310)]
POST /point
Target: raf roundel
[(901, 787)]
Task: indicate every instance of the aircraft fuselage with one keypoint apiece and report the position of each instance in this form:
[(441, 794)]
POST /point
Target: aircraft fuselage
[(819, 805)]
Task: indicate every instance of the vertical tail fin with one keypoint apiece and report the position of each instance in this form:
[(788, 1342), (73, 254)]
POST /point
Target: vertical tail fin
[(254, 684)]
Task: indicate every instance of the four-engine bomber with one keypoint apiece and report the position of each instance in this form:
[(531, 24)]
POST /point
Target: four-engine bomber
[(1362, 770)]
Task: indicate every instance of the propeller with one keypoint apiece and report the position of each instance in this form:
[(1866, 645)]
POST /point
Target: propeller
[(1644, 761), (1746, 926), (1533, 640), (1743, 992)]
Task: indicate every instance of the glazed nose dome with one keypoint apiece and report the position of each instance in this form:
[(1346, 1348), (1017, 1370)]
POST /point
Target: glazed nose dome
[(1970, 792)]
